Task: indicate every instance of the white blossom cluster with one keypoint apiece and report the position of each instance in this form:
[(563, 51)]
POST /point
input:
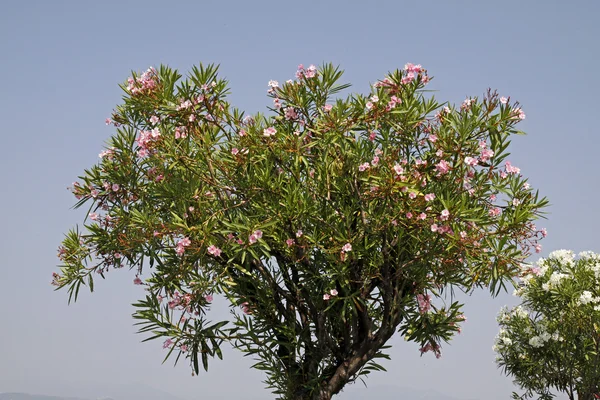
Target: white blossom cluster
[(543, 337), (588, 297), (593, 261)]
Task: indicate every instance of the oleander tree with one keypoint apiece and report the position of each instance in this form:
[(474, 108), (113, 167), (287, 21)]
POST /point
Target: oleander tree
[(551, 342), (329, 224)]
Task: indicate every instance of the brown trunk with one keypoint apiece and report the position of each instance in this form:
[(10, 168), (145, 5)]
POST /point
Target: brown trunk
[(585, 396)]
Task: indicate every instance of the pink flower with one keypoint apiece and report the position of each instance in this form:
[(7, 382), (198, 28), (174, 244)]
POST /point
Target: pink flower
[(424, 302), (290, 113), (246, 308), (115, 187), (167, 343), (137, 281), (486, 154), (413, 68), (372, 136), (544, 232), (442, 167), (429, 197), (289, 242), (235, 151), (510, 169), (503, 100), (214, 250), (326, 296), (408, 78), (327, 107), (108, 121), (273, 84), (93, 216), (364, 167), (269, 131), (434, 228), (347, 248), (494, 212), (252, 239), (409, 215), (398, 169), (463, 234), (538, 248), (208, 298), (412, 195), (185, 242), (299, 233), (333, 292), (445, 215), (422, 216), (519, 113), (117, 255), (242, 132), (311, 71), (432, 138), (154, 120), (369, 105), (471, 161)]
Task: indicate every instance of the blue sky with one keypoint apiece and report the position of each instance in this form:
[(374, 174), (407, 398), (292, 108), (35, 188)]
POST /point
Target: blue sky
[(62, 61)]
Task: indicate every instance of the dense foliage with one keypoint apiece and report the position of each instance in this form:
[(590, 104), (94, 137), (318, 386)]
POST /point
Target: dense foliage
[(329, 225), (552, 341)]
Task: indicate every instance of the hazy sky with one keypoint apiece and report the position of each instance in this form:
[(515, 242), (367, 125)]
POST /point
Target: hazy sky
[(62, 61)]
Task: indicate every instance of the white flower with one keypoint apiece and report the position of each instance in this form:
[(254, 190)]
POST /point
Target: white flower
[(556, 277), (586, 297), (520, 312), (565, 256), (536, 341), (546, 286)]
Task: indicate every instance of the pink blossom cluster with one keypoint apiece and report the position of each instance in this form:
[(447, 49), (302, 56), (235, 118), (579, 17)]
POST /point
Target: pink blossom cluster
[(145, 140), (145, 83), (308, 73), (108, 153), (519, 114), (332, 293), (181, 132), (253, 238), (181, 245), (412, 71), (270, 131), (290, 113), (424, 303), (55, 279), (214, 250), (510, 169), (434, 347), (245, 306)]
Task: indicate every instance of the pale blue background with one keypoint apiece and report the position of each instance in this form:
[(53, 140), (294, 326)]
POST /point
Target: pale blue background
[(60, 65)]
